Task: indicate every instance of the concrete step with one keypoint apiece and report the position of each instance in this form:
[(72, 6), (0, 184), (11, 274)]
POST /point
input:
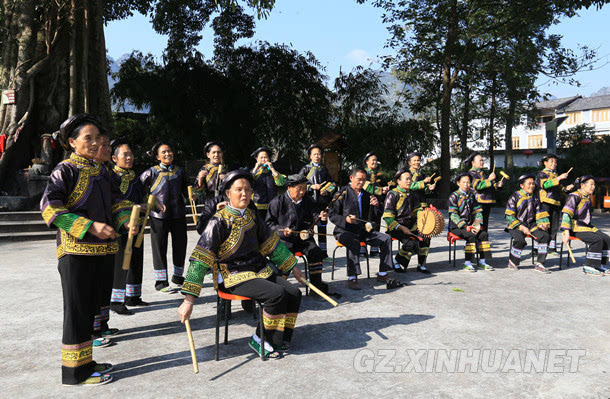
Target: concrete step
[(19, 226), (20, 215)]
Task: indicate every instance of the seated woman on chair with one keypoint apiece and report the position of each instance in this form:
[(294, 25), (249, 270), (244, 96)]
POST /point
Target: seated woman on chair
[(234, 245), (465, 219), (576, 217), (525, 216)]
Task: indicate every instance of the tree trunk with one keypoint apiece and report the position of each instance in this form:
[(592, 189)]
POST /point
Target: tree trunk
[(465, 120), (448, 83), (492, 116), (508, 134), (54, 57)]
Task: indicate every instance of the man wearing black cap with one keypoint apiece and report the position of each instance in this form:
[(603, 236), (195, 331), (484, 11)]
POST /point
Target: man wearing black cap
[(347, 214), (484, 185), (211, 174), (292, 212), (400, 216), (234, 245), (266, 180), (525, 216), (576, 220), (551, 192), (465, 218), (320, 186)]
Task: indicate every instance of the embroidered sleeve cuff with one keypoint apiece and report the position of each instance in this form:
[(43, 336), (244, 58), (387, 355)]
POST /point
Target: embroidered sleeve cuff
[(279, 179), (482, 184), (270, 245), (566, 222), (283, 258), (418, 185), (73, 224), (461, 223), (194, 278), (51, 212)]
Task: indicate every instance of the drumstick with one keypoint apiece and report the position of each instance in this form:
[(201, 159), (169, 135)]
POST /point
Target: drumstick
[(504, 175), (135, 212), (317, 291), (193, 207), (432, 175), (436, 179), (494, 169), (149, 206), (571, 254), (187, 322), (569, 170)]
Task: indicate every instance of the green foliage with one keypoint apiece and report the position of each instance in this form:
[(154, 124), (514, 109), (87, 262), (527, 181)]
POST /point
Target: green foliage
[(571, 137)]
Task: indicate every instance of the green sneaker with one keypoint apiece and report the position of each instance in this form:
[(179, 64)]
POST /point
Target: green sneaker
[(257, 348), (168, 290), (485, 267), (469, 268)]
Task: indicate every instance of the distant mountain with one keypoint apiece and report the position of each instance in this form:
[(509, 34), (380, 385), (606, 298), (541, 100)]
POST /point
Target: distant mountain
[(114, 68), (604, 91), (395, 88)]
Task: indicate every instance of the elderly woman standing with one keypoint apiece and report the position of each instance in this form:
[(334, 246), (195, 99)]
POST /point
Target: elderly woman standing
[(88, 210)]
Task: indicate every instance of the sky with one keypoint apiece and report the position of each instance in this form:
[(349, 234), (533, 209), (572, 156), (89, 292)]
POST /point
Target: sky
[(343, 34)]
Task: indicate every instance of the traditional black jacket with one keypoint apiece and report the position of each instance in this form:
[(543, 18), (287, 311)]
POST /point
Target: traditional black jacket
[(550, 189), (464, 210), (576, 213), (235, 246), (211, 180), (525, 209), (400, 209), (484, 188), (348, 205), (265, 186), (419, 189), (169, 185), (283, 212), (318, 175), (80, 192)]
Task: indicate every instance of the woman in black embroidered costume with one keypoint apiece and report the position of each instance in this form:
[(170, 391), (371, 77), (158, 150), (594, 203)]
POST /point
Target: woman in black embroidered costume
[(208, 179), (127, 284), (484, 185), (465, 219), (234, 245), (552, 194), (374, 187), (266, 180), (525, 216), (82, 202), (420, 185), (320, 186), (169, 184), (576, 220), (400, 216)]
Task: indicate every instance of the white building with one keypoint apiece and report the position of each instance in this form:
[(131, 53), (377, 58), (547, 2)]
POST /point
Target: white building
[(530, 140)]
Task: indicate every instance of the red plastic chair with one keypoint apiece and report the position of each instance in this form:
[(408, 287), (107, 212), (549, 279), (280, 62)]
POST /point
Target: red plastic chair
[(366, 255), (452, 239), (306, 266), (225, 296)]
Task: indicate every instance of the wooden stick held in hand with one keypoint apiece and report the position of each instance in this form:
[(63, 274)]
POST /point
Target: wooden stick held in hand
[(193, 207), (135, 213), (571, 254), (317, 291), (187, 323), (149, 207), (570, 170)]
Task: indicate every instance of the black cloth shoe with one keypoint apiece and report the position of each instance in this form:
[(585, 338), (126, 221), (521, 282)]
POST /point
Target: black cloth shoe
[(135, 302), (120, 308), (178, 280), (423, 270)]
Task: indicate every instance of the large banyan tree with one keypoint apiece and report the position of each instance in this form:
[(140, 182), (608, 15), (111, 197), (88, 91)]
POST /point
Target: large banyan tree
[(53, 56)]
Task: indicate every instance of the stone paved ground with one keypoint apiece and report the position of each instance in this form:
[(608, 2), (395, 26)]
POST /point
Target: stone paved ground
[(425, 340)]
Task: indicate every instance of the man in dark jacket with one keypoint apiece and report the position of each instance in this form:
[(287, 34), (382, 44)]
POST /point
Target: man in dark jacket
[(347, 214)]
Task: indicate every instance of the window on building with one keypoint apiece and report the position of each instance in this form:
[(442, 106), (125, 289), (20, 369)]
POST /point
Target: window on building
[(534, 141), (601, 115), (516, 143), (574, 118)]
